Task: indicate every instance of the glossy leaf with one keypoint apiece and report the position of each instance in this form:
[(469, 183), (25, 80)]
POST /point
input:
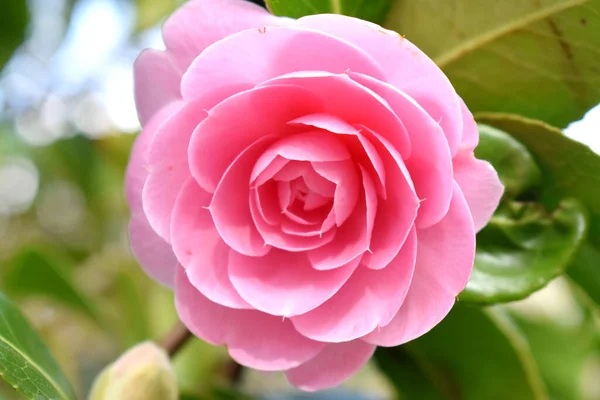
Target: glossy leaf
[(585, 271), (516, 167), (569, 168), (38, 271), (522, 249), (535, 58), (370, 10), (13, 24), (25, 362), (473, 354)]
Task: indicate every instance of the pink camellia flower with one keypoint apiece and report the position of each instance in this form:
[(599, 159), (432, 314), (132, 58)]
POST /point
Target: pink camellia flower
[(308, 187)]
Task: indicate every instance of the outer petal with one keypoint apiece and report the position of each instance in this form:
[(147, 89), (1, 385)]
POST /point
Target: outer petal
[(254, 339), (445, 255), (336, 363), (370, 298), (199, 23), (200, 249), (480, 184), (284, 283), (156, 83), (405, 66), (271, 52), (470, 137), (151, 251)]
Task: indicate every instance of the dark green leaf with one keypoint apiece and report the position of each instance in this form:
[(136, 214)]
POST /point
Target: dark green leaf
[(585, 271), (522, 249), (13, 24), (370, 10), (472, 354), (38, 271), (25, 362), (540, 59)]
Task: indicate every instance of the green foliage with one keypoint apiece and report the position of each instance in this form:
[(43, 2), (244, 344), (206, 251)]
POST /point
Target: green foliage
[(25, 362), (370, 10), (14, 19), (472, 354), (535, 58), (150, 12)]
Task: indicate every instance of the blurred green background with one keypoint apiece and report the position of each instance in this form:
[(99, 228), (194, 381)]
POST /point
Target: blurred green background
[(67, 123)]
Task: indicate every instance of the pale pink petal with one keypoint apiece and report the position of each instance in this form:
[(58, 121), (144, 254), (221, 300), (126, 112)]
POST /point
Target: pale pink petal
[(156, 83), (445, 255), (345, 175), (430, 163), (271, 52), (283, 283), (332, 366), (470, 136), (239, 121), (230, 205), (200, 249), (370, 299), (352, 103), (253, 338), (199, 23), (150, 250), (480, 184), (304, 170), (362, 149), (167, 161), (406, 67), (262, 173), (397, 212)]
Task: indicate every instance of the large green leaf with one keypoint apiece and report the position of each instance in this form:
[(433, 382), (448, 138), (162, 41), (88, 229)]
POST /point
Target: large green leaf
[(537, 58), (25, 362), (37, 271), (370, 10), (585, 271), (522, 249), (472, 354), (13, 24)]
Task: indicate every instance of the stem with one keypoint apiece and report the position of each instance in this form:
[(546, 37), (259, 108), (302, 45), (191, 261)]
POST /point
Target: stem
[(175, 339)]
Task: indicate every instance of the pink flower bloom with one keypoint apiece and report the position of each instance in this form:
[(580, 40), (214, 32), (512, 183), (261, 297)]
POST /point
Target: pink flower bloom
[(307, 187)]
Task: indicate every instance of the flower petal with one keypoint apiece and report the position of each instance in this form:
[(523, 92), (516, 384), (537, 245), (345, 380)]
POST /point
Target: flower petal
[(271, 52), (200, 249), (156, 83), (332, 366), (445, 255), (199, 23), (282, 283), (406, 67), (370, 299), (239, 121), (253, 338), (480, 184)]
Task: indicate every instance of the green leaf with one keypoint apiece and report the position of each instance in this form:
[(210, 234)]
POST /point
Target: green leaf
[(515, 166), (472, 354), (151, 12), (13, 24), (370, 10), (585, 271), (535, 58), (522, 249), (25, 362), (37, 270), (569, 168)]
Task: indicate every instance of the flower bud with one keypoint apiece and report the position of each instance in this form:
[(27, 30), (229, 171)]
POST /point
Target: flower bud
[(144, 372)]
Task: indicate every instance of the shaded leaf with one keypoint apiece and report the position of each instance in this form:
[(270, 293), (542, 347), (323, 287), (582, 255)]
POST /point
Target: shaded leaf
[(370, 10), (25, 362), (13, 24), (540, 59), (37, 271), (472, 354), (522, 249), (585, 271)]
